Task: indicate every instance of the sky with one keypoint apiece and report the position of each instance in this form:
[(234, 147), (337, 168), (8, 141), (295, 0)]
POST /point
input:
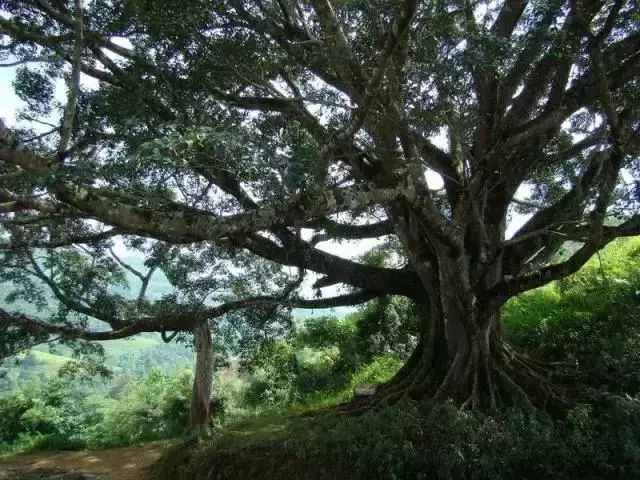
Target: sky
[(9, 102)]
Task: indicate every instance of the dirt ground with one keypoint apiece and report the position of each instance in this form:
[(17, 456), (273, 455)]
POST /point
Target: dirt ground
[(129, 463)]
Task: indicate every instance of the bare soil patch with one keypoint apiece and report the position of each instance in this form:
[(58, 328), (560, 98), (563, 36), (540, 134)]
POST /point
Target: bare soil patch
[(128, 463)]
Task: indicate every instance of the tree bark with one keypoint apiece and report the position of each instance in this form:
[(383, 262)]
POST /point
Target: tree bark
[(202, 381), (461, 355)]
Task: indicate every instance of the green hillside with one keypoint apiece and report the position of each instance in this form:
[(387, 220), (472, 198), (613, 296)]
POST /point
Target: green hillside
[(49, 362), (131, 358)]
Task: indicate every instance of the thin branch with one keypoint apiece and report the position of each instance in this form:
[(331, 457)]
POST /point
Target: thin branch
[(60, 242), (41, 135), (26, 348), (145, 283), (126, 266), (74, 83), (29, 118), (28, 60)]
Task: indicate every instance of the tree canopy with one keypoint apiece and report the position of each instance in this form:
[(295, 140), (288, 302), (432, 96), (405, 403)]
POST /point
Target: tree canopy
[(249, 132)]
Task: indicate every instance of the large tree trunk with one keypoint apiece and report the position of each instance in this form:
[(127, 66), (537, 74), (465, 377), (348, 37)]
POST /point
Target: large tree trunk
[(461, 355), (203, 380), (465, 360)]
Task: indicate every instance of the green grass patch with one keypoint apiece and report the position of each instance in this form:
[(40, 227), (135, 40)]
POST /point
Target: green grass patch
[(134, 344), (50, 362)]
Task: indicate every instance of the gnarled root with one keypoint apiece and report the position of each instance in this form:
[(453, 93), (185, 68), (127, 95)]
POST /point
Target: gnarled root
[(477, 379)]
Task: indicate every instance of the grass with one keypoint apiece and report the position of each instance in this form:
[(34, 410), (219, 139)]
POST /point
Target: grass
[(50, 362), (263, 429), (254, 448), (134, 344), (415, 441)]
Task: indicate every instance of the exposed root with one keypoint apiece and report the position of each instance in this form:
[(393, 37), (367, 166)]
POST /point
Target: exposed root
[(480, 378), (489, 385)]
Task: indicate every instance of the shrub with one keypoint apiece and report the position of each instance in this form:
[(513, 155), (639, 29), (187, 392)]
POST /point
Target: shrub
[(51, 415), (424, 441), (70, 415), (13, 405), (273, 367), (154, 409), (380, 370), (590, 322)]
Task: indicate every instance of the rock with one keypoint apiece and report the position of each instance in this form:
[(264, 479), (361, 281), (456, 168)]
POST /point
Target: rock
[(365, 391)]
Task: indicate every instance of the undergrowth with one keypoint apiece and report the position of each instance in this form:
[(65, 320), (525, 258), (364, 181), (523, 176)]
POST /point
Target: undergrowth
[(421, 441)]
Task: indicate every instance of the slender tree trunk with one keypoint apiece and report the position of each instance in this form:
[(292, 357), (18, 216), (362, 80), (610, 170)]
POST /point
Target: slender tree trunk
[(202, 381)]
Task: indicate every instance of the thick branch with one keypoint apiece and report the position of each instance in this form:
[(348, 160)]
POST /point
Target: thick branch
[(180, 224), (337, 230), (344, 59), (176, 321), (383, 280), (508, 17), (74, 82)]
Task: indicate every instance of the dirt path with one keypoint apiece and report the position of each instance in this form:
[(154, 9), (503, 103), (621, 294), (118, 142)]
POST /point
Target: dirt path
[(127, 463)]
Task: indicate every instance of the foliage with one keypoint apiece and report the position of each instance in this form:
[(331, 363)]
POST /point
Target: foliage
[(327, 357), (59, 414), (388, 326), (127, 360), (589, 322), (274, 367), (379, 370), (51, 415), (590, 318), (12, 406), (215, 132), (156, 408)]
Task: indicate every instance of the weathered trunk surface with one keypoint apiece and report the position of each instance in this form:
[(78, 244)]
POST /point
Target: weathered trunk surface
[(465, 360), (203, 380), (461, 355)]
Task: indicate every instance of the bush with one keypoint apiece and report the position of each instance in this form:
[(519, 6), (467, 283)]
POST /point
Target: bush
[(51, 415), (589, 322), (13, 405), (379, 370), (328, 356), (273, 368), (66, 416), (154, 409), (425, 441)]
